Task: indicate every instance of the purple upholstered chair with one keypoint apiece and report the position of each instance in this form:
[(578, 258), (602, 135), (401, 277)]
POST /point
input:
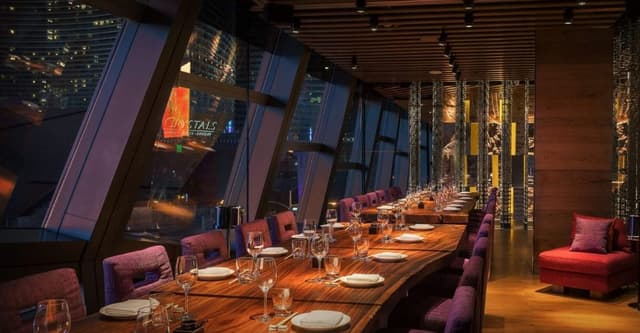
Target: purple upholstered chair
[(373, 199), (22, 295), (284, 226), (461, 313), (364, 199), (242, 232), (344, 209), (395, 192), (382, 196), (210, 248), (135, 274)]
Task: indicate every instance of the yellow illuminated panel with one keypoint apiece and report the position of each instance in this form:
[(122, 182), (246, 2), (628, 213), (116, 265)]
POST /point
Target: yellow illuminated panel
[(474, 140), (514, 128), (495, 170), (467, 110)]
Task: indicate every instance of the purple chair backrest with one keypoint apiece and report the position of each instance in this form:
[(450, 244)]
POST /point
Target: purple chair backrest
[(490, 207), (284, 226), (487, 219), (135, 274), (210, 248), (460, 318), (364, 199), (480, 247), (472, 275), (373, 199), (395, 192), (25, 293), (484, 230), (242, 232), (344, 209), (382, 196)]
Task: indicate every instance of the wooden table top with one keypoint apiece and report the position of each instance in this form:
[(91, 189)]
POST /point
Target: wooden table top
[(428, 214), (228, 306)]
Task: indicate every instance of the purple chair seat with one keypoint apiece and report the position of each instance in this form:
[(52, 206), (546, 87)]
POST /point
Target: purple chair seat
[(22, 295), (135, 274), (210, 248)]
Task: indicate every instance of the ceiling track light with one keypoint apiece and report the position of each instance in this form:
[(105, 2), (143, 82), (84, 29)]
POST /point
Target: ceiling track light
[(354, 63), (373, 22), (567, 17), (295, 25), (442, 39), (447, 51), (361, 6), (455, 69), (468, 19), (468, 4), (582, 2), (458, 75), (452, 61)]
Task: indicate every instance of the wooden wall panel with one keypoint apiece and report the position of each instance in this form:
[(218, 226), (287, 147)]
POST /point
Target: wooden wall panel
[(573, 130)]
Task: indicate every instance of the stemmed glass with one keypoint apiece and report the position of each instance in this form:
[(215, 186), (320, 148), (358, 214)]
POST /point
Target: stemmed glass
[(355, 231), (319, 248), (383, 222), (255, 243), (266, 277), (356, 209), (309, 230), (186, 276), (52, 315)]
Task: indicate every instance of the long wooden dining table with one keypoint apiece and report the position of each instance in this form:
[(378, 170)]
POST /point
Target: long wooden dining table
[(428, 213), (227, 305)]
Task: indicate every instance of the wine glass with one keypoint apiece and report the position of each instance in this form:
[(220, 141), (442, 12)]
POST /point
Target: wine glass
[(319, 248), (186, 276), (355, 231), (332, 215), (356, 209), (309, 230), (52, 315), (266, 277), (383, 223), (255, 243)]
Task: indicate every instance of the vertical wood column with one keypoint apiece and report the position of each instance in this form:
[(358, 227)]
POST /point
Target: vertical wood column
[(483, 156), (574, 136), (461, 135), (415, 107), (436, 135)]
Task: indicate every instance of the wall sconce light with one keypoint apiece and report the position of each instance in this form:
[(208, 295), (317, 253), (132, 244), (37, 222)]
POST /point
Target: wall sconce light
[(295, 25), (361, 6), (567, 18), (373, 22), (468, 19)]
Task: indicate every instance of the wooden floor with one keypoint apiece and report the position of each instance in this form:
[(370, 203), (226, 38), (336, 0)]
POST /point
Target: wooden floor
[(518, 302)]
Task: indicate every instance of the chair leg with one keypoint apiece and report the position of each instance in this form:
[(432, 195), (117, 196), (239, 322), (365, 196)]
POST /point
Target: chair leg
[(557, 289)]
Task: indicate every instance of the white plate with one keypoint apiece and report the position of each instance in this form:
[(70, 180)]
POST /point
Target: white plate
[(465, 192), (362, 280), (384, 207), (127, 309), (408, 238), (299, 321), (389, 256), (299, 236), (456, 205), (421, 226), (214, 273), (451, 209), (338, 225), (459, 201), (273, 251)]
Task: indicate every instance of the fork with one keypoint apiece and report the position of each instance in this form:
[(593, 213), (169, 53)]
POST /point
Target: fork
[(281, 325)]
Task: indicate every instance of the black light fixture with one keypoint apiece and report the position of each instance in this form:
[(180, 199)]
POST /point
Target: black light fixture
[(452, 60), (361, 6), (455, 69), (458, 75), (468, 19), (582, 2), (373, 22), (468, 4), (354, 63), (447, 51), (442, 39), (295, 25), (567, 18)]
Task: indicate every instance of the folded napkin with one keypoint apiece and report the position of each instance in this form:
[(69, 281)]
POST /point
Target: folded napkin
[(321, 319), (363, 277)]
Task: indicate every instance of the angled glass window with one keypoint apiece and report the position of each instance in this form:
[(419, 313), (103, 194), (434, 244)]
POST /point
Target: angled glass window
[(201, 127), (52, 55), (401, 163), (381, 166)]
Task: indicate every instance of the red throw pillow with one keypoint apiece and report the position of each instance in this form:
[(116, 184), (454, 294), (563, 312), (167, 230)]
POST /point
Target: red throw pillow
[(611, 244), (591, 236)]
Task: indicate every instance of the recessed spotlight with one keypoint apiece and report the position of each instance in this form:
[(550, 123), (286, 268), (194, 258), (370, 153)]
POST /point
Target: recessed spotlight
[(452, 60), (361, 6), (447, 51), (582, 2), (567, 17), (373, 22), (468, 19), (468, 4), (354, 63), (442, 39), (295, 25)]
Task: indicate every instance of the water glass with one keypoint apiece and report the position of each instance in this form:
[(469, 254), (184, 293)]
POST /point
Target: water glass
[(167, 300), (298, 248), (244, 269), (152, 320), (332, 266), (327, 231), (282, 300), (255, 243), (362, 248), (52, 315), (356, 209)]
